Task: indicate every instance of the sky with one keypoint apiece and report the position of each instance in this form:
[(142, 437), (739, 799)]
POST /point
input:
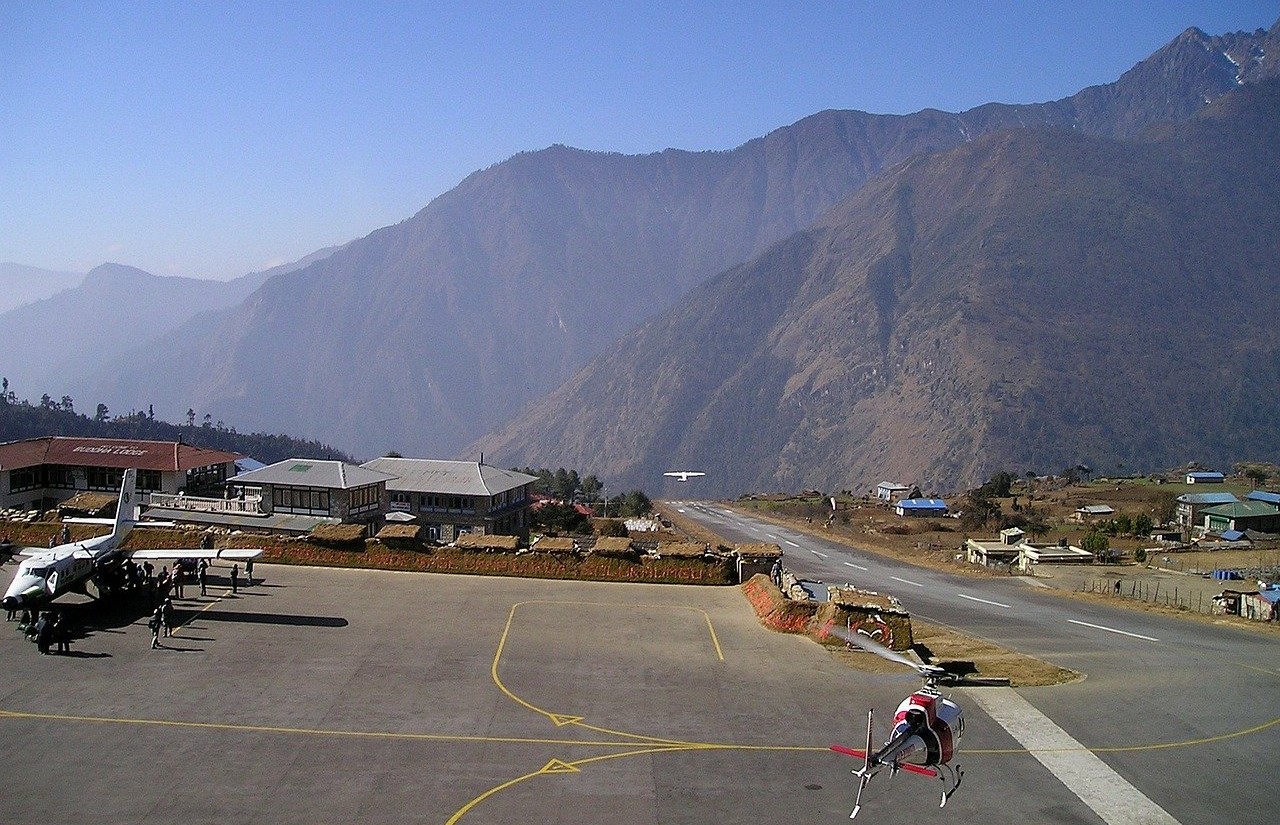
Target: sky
[(213, 139)]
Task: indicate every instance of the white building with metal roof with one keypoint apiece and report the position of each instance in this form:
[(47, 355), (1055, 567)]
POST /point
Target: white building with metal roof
[(314, 487), (453, 497)]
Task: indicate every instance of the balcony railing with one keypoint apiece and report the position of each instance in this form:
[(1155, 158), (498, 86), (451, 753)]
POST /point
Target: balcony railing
[(248, 504)]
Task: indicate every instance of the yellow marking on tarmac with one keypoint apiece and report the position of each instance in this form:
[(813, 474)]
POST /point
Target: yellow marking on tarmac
[(1153, 746), (217, 600), (430, 737), (557, 766), (559, 719)]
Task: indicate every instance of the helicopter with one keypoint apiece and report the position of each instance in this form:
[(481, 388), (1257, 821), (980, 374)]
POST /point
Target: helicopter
[(926, 727)]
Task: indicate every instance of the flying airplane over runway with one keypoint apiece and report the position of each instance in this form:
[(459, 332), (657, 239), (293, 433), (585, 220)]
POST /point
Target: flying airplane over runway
[(47, 574), (684, 475)]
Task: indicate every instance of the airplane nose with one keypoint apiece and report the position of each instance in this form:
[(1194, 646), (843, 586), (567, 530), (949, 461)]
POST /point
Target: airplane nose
[(10, 602)]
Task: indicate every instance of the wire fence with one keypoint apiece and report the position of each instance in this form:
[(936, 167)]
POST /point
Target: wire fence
[(1195, 599)]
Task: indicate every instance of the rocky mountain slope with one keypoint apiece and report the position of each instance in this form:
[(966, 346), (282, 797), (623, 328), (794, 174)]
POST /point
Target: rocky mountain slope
[(1028, 301), (423, 336)]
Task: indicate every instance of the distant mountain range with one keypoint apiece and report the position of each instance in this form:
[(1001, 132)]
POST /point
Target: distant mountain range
[(116, 314), (21, 284), (1028, 301), (424, 336)]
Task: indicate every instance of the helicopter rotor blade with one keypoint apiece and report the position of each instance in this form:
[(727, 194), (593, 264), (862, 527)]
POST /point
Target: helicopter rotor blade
[(872, 646)]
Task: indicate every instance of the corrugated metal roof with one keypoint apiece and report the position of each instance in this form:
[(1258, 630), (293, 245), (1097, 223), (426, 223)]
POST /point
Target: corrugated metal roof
[(1242, 508), (461, 478), (1231, 535), (1207, 498), (121, 453), (306, 472), (922, 503), (1207, 475), (1263, 495), (1096, 509)]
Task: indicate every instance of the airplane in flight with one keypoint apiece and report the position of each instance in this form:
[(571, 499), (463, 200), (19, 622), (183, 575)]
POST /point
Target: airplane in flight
[(47, 574), (684, 475)]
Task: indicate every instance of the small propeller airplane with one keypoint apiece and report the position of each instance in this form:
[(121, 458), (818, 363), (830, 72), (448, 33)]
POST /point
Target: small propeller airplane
[(47, 574), (684, 475), (926, 728)]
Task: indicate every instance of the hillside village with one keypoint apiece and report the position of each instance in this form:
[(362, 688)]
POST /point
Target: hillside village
[(1219, 528)]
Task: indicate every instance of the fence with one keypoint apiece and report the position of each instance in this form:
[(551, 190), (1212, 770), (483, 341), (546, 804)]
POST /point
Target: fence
[(1195, 599)]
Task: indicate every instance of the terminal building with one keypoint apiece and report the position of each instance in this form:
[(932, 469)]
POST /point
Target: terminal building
[(40, 473), (449, 498)]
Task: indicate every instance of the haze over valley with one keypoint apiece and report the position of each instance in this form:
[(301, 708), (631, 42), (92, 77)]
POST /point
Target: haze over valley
[(929, 297)]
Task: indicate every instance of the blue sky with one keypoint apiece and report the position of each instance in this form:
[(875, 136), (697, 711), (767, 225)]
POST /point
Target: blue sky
[(213, 139)]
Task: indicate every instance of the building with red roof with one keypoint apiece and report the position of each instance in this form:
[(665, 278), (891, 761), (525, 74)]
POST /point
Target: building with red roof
[(38, 473)]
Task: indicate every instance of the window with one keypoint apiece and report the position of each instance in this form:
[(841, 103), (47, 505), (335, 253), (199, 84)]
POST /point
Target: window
[(147, 480), (24, 479), (202, 478), (104, 478), (300, 499)]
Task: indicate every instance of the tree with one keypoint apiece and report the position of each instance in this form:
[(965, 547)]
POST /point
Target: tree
[(208, 421), (46, 402), (191, 417), (1096, 544), (392, 454), (67, 404), (100, 414), (1124, 524), (591, 488), (1258, 476), (1142, 525)]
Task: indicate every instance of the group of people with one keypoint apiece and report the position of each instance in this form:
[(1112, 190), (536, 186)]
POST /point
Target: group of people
[(46, 629)]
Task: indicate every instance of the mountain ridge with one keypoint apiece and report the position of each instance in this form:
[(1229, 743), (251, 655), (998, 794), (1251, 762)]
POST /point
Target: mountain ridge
[(909, 335), (503, 287)]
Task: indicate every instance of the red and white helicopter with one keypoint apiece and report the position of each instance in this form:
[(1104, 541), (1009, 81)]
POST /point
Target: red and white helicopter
[(926, 727)]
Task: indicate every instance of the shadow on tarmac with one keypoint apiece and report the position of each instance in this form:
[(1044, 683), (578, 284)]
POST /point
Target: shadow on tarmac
[(271, 618)]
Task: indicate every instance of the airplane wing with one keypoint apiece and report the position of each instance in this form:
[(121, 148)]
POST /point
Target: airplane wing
[(110, 522), (233, 553)]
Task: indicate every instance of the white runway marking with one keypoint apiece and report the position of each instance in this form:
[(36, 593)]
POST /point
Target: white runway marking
[(1106, 792), (792, 543), (1113, 630), (855, 566), (819, 555), (907, 581), (984, 601)]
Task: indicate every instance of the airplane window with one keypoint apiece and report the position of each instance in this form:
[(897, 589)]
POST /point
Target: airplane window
[(37, 571)]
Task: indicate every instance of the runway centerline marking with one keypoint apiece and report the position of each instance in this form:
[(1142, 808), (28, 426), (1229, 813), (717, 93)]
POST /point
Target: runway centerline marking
[(792, 543), (1107, 794), (855, 566), (984, 601), (907, 581), (1113, 630), (819, 555)]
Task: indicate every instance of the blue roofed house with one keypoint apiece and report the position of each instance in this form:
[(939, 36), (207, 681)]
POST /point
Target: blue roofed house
[(1190, 505), (1204, 477), (921, 507), (1263, 606), (1264, 496)]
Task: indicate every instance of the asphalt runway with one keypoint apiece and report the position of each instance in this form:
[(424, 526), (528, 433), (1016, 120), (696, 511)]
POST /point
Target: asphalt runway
[(345, 696), (1184, 712)]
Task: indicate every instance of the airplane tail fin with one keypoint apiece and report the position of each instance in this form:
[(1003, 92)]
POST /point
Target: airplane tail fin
[(126, 507)]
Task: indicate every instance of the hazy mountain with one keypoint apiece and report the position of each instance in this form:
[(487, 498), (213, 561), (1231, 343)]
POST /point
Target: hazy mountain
[(1026, 302), (115, 316), (21, 284), (424, 335), (57, 341)]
